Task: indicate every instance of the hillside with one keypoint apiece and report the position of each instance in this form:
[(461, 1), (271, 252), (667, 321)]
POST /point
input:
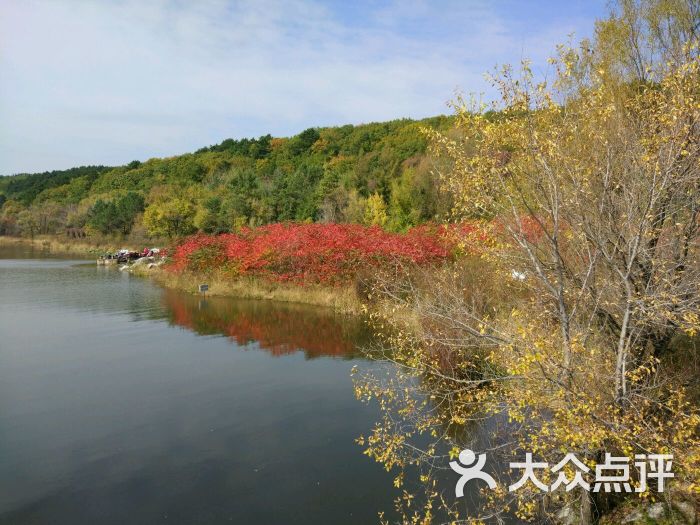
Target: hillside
[(373, 174)]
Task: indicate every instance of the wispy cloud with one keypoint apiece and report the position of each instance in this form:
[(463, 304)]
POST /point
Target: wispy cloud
[(106, 82)]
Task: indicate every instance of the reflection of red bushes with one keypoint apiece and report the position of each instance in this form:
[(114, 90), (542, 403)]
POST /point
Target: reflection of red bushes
[(278, 329), (317, 253), (285, 334)]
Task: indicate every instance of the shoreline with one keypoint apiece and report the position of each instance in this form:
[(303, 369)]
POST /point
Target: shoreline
[(341, 299), (57, 246)]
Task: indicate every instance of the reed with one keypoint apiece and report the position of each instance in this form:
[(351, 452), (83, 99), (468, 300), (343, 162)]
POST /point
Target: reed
[(342, 299)]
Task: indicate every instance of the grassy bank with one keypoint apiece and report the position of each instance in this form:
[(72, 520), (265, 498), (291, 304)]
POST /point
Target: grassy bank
[(317, 264), (340, 298), (298, 262)]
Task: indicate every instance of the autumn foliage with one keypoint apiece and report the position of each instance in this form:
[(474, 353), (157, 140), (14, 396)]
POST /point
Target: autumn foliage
[(313, 253)]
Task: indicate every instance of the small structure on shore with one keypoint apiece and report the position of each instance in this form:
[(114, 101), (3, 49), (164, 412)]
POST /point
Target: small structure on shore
[(126, 257)]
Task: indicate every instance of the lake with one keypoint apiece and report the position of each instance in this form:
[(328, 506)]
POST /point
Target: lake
[(122, 402)]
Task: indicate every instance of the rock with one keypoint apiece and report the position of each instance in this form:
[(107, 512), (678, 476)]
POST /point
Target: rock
[(634, 516), (142, 261), (687, 510), (656, 511), (566, 516)]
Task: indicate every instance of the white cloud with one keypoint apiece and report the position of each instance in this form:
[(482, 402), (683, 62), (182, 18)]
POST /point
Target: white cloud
[(105, 82)]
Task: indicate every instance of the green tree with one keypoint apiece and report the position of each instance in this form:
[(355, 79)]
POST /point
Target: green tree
[(9, 216), (375, 211), (116, 215), (27, 223), (413, 199), (207, 218), (170, 218)]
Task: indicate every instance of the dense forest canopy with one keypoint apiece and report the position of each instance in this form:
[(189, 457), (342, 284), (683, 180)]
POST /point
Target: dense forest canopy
[(375, 173)]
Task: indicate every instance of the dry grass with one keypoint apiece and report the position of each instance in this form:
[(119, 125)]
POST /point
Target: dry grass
[(341, 299), (59, 245), (90, 246)]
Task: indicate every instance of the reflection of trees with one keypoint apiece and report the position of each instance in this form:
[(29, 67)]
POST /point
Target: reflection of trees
[(278, 328)]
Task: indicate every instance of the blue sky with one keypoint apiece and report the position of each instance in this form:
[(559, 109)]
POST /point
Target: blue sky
[(107, 82)]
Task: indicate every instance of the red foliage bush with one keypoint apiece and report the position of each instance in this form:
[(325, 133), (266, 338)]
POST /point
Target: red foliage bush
[(312, 253)]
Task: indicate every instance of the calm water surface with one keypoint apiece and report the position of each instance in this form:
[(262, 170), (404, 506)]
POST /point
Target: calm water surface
[(121, 402)]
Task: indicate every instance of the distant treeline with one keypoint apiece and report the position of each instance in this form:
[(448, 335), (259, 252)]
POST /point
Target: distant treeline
[(375, 173)]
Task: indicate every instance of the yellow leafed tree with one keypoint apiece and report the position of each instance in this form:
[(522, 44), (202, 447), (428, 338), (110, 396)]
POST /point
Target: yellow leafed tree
[(582, 335)]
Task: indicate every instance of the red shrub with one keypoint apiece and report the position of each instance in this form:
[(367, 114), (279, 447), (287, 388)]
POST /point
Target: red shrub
[(320, 253)]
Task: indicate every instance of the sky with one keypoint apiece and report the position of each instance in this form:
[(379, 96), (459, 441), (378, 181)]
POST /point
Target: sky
[(109, 81)]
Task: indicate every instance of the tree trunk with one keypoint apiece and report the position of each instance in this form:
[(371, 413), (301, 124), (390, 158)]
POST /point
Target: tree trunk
[(586, 511)]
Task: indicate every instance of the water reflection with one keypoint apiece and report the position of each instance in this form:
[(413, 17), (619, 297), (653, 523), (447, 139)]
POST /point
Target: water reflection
[(277, 328), (110, 414)]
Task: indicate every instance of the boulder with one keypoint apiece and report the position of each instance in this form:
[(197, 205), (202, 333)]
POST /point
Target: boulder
[(656, 511)]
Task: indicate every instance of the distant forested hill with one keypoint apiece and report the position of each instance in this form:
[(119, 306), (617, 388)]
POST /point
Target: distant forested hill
[(375, 173)]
